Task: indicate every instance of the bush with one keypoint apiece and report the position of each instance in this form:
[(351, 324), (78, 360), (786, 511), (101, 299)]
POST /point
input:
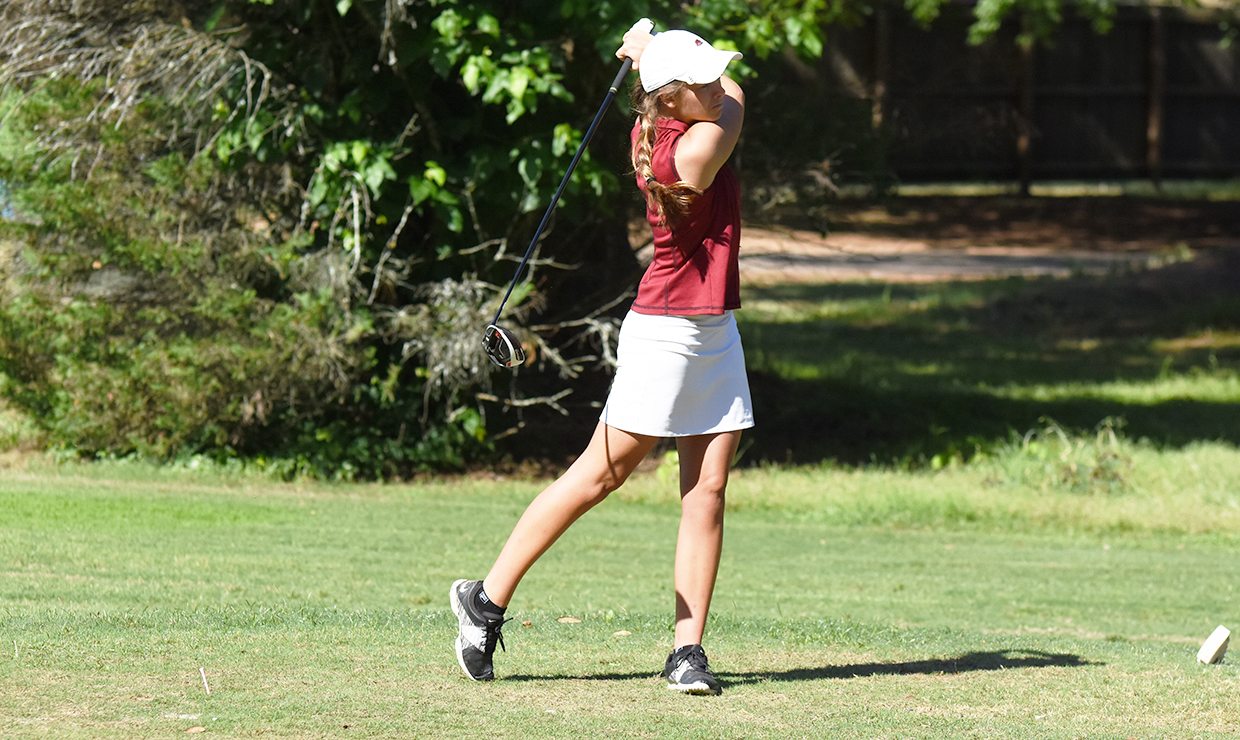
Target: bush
[(139, 316), (1050, 458)]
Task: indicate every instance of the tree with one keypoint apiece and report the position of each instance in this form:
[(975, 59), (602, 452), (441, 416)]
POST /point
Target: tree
[(275, 228)]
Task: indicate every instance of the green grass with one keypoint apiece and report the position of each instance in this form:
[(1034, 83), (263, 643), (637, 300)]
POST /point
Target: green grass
[(1012, 511), (908, 374), (982, 600)]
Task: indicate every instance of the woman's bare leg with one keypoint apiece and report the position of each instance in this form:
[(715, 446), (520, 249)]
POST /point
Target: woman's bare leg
[(704, 464), (606, 463)]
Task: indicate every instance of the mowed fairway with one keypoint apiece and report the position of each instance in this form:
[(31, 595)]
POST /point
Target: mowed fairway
[(317, 611)]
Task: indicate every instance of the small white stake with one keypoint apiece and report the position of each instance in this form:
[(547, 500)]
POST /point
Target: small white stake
[(1215, 646), (205, 685)]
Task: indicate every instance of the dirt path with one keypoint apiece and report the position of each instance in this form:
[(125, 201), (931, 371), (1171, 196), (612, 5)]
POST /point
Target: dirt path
[(944, 238)]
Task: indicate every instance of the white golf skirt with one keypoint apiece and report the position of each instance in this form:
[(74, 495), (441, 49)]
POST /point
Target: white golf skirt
[(679, 375)]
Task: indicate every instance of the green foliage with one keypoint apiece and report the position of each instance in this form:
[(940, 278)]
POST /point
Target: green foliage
[(1050, 458), (244, 216), (770, 26), (1038, 19), (126, 328)]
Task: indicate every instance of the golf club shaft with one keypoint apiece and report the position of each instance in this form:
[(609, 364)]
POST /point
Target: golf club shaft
[(611, 94)]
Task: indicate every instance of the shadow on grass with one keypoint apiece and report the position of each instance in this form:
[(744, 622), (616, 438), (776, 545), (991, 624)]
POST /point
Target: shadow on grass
[(855, 424), (902, 373), (997, 660), (867, 373)]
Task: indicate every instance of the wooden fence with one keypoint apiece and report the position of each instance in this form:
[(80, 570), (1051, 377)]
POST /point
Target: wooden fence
[(1156, 97)]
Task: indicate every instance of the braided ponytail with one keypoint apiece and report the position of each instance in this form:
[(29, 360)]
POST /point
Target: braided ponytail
[(669, 202)]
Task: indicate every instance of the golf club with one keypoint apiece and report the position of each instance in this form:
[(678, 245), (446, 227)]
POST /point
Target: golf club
[(501, 345)]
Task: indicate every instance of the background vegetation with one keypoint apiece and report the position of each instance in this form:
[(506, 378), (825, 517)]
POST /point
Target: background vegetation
[(271, 230)]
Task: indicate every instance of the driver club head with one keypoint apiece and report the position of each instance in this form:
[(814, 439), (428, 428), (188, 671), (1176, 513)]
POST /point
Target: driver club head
[(502, 346)]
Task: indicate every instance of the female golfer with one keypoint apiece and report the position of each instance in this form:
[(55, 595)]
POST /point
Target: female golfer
[(681, 369)]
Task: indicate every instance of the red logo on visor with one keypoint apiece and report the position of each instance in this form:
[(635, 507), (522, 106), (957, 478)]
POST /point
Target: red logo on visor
[(697, 42)]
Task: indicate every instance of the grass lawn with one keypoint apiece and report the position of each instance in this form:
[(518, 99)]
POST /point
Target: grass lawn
[(969, 602), (1005, 509), (906, 373)]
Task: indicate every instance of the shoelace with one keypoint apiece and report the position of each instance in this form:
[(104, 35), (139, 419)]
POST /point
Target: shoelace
[(696, 659), (491, 634)]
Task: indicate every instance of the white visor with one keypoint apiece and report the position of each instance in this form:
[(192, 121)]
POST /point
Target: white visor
[(683, 56)]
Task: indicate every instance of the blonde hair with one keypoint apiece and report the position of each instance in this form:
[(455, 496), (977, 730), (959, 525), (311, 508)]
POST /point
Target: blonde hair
[(669, 202)]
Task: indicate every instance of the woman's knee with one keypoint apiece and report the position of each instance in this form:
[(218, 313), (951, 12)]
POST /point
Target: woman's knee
[(604, 487), (706, 482), (609, 460), (706, 499), (593, 484)]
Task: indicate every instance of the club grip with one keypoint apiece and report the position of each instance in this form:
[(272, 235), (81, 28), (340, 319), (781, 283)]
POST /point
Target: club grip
[(645, 24), (624, 71)]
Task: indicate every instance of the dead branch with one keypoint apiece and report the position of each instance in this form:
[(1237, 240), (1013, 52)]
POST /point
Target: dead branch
[(552, 401)]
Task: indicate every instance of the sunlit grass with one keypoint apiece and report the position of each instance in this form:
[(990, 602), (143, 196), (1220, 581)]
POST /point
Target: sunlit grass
[(881, 305), (852, 603), (914, 374), (1219, 387)]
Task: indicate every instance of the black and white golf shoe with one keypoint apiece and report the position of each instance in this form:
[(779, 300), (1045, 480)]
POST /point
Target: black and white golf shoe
[(475, 643), (688, 672)]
